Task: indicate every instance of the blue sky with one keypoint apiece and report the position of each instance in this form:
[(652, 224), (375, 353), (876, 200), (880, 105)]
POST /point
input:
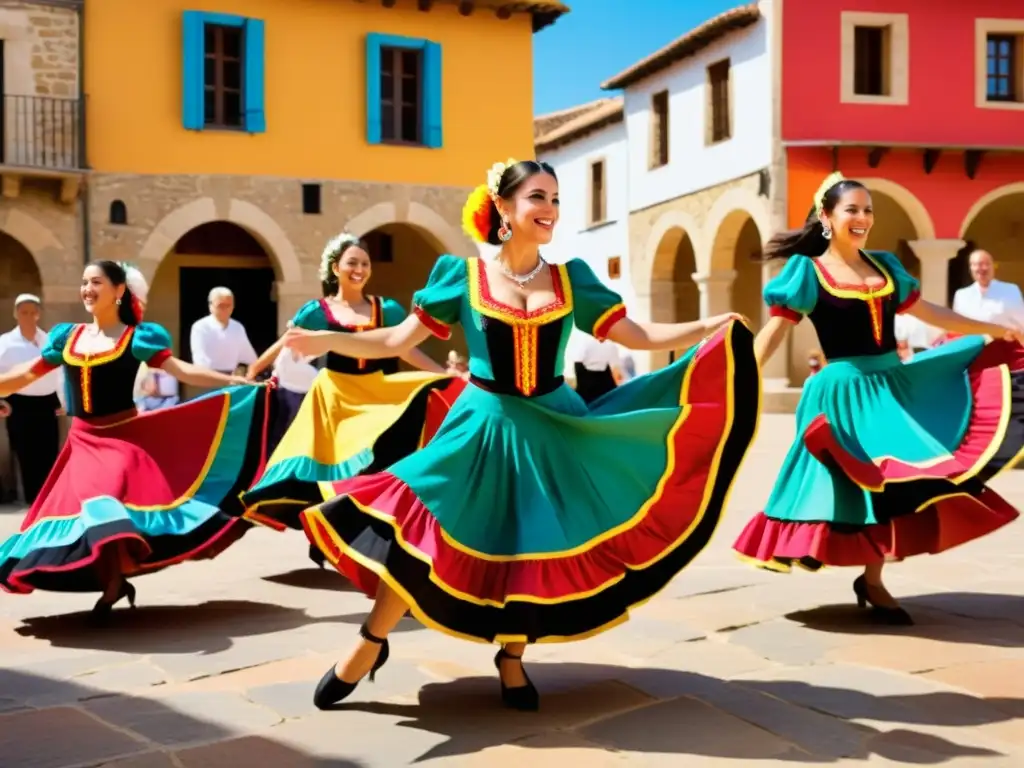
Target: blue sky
[(600, 38)]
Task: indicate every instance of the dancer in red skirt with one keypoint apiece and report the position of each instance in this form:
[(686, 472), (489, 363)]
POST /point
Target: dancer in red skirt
[(131, 493)]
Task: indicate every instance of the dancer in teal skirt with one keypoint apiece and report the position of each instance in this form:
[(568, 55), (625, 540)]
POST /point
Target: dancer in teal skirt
[(891, 458), (531, 516)]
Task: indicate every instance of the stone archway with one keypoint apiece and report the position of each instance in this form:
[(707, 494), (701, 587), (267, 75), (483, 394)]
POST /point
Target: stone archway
[(907, 201), (894, 229), (19, 273), (995, 223), (734, 281), (249, 217), (403, 255), (423, 218), (674, 296)]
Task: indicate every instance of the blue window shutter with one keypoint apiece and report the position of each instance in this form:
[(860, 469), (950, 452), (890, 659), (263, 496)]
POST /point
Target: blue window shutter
[(253, 90), (192, 116), (433, 104), (373, 122)]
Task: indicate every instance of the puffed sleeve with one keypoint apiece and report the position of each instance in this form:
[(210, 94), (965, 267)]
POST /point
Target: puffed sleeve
[(394, 313), (908, 287), (439, 304), (793, 292), (151, 344), (595, 306), (311, 316), (52, 355)]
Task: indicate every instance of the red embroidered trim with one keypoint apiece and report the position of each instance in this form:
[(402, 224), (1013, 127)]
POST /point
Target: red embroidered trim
[(435, 326), (159, 358), (912, 298), (601, 330), (785, 313), (493, 304)]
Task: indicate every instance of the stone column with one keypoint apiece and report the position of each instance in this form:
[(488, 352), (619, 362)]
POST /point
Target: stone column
[(715, 291), (934, 256)]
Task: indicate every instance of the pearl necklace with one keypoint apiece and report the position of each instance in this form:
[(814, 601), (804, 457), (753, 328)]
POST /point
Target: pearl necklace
[(522, 280)]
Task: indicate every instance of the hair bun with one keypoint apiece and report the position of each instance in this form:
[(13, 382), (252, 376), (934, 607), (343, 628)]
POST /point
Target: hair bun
[(476, 214)]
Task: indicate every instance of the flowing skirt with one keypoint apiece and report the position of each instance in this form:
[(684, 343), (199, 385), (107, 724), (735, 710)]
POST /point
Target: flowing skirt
[(544, 519), (346, 425), (164, 484), (892, 458)]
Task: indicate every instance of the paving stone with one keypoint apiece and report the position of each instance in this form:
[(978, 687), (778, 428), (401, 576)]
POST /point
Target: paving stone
[(1000, 682), (785, 642), (184, 718), (254, 752), (59, 737), (685, 727), (914, 654), (548, 750), (148, 760), (123, 677), (711, 657), (914, 747)]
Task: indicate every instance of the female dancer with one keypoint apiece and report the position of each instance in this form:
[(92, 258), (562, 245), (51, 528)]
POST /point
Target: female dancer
[(130, 493), (892, 457), (531, 517), (360, 412)]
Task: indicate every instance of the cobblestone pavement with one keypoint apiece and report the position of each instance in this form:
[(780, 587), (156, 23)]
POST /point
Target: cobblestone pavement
[(728, 666)]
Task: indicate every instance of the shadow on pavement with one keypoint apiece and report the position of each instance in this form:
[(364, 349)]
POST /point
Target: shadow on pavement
[(94, 728), (207, 628), (958, 617), (313, 578), (673, 712)]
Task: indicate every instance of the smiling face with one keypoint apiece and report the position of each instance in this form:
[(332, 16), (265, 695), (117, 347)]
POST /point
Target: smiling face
[(852, 218), (99, 295), (353, 269), (533, 209), (983, 268)]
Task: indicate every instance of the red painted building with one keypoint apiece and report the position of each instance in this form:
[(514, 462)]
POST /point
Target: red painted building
[(923, 100)]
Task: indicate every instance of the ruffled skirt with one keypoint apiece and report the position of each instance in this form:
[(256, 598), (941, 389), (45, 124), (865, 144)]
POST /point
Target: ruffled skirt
[(165, 484), (346, 425), (544, 519), (892, 458)]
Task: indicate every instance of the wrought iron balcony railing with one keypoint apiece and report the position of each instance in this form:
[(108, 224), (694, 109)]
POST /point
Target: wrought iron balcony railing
[(43, 132)]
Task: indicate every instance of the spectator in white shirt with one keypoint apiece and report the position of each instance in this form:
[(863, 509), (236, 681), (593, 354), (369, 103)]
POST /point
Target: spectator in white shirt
[(219, 342), (31, 415), (988, 299), (594, 365)]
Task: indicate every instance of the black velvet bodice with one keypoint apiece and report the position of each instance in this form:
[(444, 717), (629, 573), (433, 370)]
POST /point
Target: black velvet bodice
[(351, 365), (100, 384), (525, 359)]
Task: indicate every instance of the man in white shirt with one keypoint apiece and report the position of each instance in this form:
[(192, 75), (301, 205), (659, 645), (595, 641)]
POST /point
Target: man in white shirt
[(218, 341), (988, 299), (31, 414), (593, 364)]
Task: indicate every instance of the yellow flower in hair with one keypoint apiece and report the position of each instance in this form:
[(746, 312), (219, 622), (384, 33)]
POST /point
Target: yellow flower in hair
[(830, 181), (496, 172)]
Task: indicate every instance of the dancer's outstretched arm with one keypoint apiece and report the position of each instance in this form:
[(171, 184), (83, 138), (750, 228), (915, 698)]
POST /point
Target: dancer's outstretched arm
[(394, 341), (662, 337)]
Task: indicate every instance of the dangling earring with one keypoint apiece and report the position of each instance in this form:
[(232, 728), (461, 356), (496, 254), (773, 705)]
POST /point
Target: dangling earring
[(118, 302), (504, 231), (826, 232)]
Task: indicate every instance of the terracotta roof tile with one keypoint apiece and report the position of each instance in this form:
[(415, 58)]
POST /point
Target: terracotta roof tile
[(544, 12), (581, 120), (687, 45)]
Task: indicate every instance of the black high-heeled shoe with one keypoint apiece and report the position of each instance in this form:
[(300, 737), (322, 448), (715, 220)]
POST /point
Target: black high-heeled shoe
[(332, 689), (523, 697), (103, 607), (897, 617), (317, 556)]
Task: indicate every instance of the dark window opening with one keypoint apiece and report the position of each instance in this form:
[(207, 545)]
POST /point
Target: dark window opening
[(222, 76), (401, 95), (869, 61), (659, 129), (118, 212), (718, 75), (311, 198), (1002, 57), (597, 194)]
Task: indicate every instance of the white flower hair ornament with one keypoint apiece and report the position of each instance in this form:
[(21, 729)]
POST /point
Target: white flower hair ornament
[(495, 173), (135, 281), (331, 251)]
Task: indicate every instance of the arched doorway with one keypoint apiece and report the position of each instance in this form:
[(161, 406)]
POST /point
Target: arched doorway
[(217, 253), (737, 248), (19, 273), (893, 230), (674, 296), (402, 256), (997, 227)]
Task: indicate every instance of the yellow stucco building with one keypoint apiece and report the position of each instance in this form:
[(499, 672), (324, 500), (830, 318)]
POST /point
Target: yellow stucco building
[(222, 142)]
